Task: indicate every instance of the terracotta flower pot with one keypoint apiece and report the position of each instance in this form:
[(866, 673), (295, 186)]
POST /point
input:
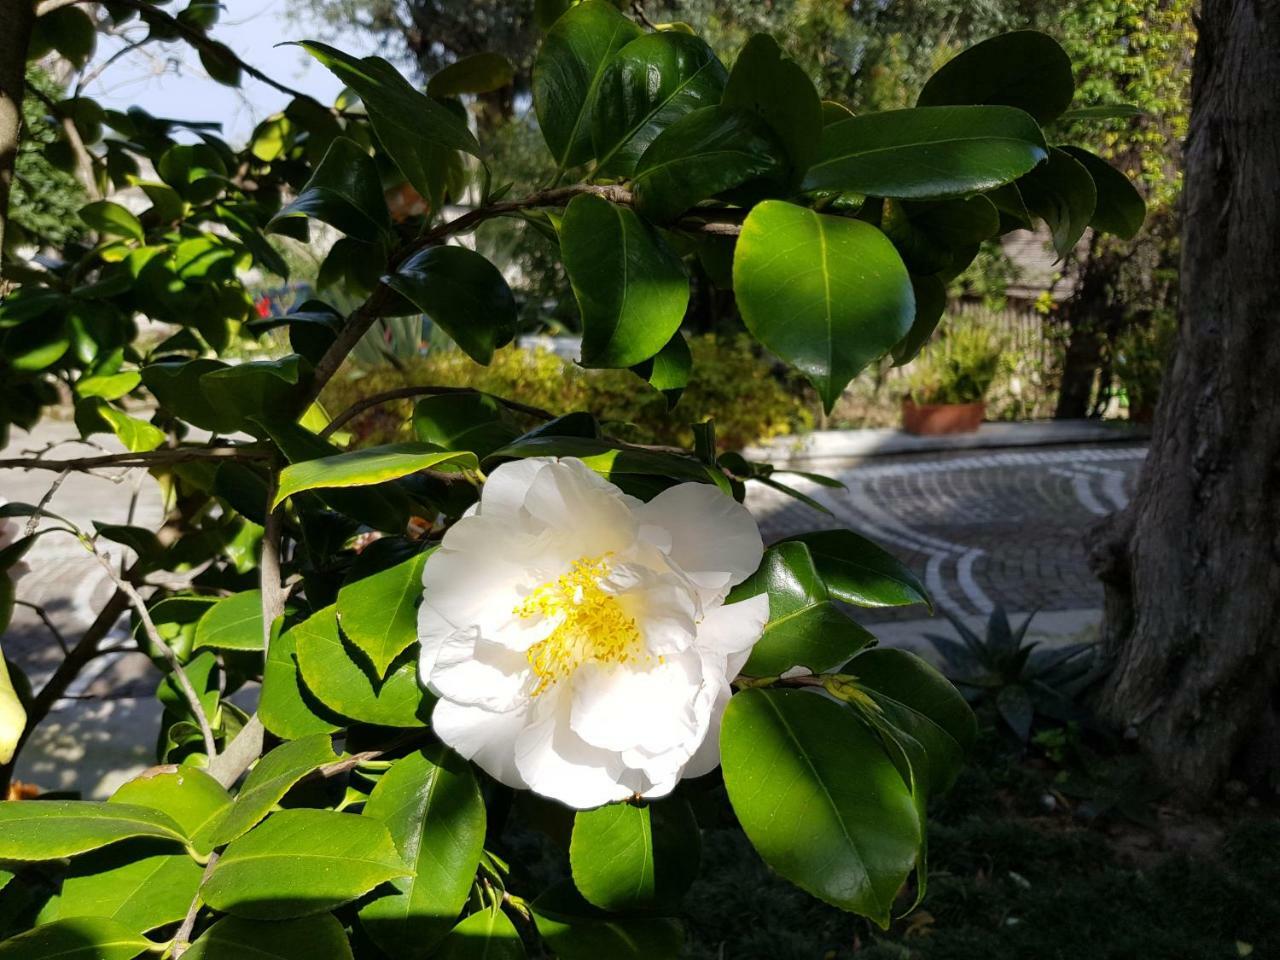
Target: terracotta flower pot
[(933, 419)]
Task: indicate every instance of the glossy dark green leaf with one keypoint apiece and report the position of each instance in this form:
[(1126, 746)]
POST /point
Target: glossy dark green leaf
[(860, 572), (928, 152), (1023, 69), (827, 294), (136, 888), (345, 192), (112, 219), (415, 130), (635, 858), (932, 236), (318, 937), (669, 369), (920, 701), (485, 935), (478, 73), (1120, 208), (805, 628), (465, 421), (567, 72), (931, 303), (651, 82), (463, 293), (819, 799), (233, 623), (379, 613), (631, 288), (1062, 194), (269, 780), (284, 707), (332, 672), (52, 829), (80, 938), (704, 153), (176, 386), (575, 930), (36, 345), (256, 388), (362, 468), (431, 804), (188, 795), (614, 461), (777, 89), (302, 862), (69, 30)]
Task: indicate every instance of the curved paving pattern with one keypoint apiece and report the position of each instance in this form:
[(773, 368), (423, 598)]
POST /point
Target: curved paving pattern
[(1002, 527)]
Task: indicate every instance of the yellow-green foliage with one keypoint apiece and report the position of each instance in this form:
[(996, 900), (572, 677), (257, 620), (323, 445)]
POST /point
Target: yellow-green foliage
[(731, 384)]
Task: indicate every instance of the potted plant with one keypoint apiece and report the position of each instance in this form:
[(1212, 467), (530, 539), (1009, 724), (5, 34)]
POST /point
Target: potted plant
[(947, 384)]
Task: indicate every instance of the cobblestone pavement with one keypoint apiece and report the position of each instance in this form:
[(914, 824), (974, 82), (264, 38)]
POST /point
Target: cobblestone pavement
[(1002, 527)]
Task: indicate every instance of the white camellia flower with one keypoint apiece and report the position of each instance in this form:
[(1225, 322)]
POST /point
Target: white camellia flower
[(578, 637)]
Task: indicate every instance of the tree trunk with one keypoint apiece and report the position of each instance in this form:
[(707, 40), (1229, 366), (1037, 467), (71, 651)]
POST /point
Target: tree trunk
[(1192, 569), (17, 17)]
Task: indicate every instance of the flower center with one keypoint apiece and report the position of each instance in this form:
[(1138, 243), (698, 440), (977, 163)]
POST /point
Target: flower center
[(593, 627)]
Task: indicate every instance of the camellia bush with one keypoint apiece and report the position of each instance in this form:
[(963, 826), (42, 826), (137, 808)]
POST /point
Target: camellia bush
[(513, 622)]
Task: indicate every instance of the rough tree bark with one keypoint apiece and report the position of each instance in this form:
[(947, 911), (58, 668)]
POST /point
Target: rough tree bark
[(17, 17), (1192, 569)]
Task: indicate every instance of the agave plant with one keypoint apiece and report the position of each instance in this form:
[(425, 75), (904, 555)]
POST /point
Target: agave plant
[(1022, 678)]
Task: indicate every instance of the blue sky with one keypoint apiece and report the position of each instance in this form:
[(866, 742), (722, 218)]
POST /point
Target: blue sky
[(167, 79)]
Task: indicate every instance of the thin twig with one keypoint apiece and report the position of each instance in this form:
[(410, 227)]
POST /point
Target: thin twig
[(44, 618), (638, 9), (184, 682), (84, 159), (34, 520), (151, 458), (182, 939), (405, 393)]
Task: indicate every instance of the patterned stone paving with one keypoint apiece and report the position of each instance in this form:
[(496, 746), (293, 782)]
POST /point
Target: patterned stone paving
[(1001, 527)]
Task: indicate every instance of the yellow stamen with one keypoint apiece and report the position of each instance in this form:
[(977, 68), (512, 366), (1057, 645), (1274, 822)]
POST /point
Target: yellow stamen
[(593, 627)]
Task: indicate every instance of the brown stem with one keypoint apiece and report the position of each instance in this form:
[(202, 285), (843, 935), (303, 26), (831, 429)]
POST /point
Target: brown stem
[(182, 939), (405, 393), (84, 159), (18, 18), (150, 458)]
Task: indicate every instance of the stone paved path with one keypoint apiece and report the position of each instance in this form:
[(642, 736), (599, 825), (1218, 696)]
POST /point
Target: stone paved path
[(980, 528)]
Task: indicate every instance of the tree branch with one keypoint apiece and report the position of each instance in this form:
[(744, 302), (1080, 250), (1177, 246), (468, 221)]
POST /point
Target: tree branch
[(182, 939), (84, 159), (151, 458), (406, 393), (184, 682)]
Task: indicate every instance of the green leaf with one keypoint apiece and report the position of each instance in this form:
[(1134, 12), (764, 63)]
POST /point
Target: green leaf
[(931, 304), (575, 930), (52, 829), (1016, 709), (417, 132), (463, 294), (827, 294), (668, 371), (928, 152), (233, 623), (778, 90), (108, 386), (136, 435), (635, 858), (302, 862), (283, 706), (318, 937), (805, 628), (81, 938), (1120, 208), (255, 389), (1022, 69), (651, 82), (69, 30), (939, 236), (36, 344), (921, 702), (345, 192), (1103, 111), (614, 461), (704, 153), (138, 892), (631, 288), (567, 74), (1062, 193), (478, 73), (113, 220), (819, 799), (331, 673), (191, 797), (379, 613), (484, 935), (176, 386), (860, 572), (361, 468), (431, 804), (462, 421), (269, 780)]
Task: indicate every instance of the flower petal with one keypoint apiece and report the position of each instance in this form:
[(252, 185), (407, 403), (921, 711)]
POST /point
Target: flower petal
[(731, 630), (484, 737), (621, 707), (507, 485), (559, 764), (472, 671), (714, 539)]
